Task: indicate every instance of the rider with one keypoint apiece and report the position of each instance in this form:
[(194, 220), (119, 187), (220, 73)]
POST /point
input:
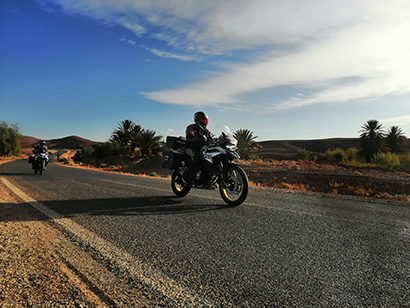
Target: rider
[(41, 148), (196, 135)]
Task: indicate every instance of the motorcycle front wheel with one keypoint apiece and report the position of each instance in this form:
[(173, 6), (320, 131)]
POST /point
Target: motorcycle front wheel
[(178, 187), (42, 167), (234, 189)]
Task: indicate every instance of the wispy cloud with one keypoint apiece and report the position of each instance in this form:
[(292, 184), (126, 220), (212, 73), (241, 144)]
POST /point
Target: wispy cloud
[(165, 54), (317, 47), (402, 120), (170, 55), (169, 131)]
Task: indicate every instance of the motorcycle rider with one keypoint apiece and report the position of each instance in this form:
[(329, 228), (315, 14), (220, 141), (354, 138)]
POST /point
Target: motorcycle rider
[(41, 148), (196, 136)]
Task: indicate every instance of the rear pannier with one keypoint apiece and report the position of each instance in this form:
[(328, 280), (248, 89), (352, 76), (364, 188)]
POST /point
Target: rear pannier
[(171, 160), (175, 142)]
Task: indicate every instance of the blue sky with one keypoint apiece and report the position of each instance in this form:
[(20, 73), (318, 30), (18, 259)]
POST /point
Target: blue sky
[(283, 69)]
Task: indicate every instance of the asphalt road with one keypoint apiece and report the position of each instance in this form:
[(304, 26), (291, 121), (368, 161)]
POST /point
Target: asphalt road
[(278, 249)]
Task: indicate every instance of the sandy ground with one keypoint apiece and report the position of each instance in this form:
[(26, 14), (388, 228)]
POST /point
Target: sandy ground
[(33, 273)]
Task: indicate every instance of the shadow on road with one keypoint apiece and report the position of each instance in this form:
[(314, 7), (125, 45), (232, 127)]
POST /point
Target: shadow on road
[(153, 205), (18, 173)]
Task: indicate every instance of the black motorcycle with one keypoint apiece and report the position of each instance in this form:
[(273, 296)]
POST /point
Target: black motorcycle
[(218, 168), (39, 162)]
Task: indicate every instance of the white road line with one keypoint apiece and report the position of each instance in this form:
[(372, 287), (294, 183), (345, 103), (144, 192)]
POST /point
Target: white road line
[(155, 279)]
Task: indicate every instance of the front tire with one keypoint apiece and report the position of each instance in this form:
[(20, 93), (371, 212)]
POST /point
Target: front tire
[(234, 189), (177, 184), (42, 167)]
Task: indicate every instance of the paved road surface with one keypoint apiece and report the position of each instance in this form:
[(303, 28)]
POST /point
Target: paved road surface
[(277, 249)]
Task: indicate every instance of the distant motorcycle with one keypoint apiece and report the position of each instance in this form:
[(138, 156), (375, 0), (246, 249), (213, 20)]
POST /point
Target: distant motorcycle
[(39, 162), (218, 168)]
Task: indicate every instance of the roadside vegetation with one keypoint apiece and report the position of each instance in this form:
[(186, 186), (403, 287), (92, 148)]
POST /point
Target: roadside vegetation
[(9, 139), (127, 140), (378, 148), (130, 139)]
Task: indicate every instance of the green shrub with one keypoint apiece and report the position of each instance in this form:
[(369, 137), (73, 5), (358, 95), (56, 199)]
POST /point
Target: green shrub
[(335, 155), (302, 155), (404, 161), (351, 154), (108, 149), (9, 139), (87, 153), (77, 156), (386, 160)]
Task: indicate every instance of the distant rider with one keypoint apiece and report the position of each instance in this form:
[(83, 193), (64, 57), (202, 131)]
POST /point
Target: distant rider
[(41, 148), (196, 135)]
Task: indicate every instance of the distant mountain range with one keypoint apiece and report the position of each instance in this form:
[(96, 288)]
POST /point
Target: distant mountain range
[(71, 142), (279, 149)]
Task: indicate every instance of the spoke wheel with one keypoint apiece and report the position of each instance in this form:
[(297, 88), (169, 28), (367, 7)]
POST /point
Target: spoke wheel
[(235, 189), (178, 187)]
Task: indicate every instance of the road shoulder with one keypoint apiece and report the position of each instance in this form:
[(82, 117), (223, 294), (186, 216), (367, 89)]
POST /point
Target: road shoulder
[(42, 265)]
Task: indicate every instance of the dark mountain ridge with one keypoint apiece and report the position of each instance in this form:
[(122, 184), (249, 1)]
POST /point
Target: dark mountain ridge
[(70, 142)]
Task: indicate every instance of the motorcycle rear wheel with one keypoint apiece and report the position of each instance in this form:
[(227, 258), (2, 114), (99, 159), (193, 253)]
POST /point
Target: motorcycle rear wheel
[(235, 188), (179, 189)]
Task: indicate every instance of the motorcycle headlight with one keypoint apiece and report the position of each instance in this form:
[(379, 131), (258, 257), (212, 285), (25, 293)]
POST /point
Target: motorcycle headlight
[(231, 147)]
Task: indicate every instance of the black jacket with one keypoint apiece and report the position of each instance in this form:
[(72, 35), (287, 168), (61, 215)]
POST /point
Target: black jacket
[(196, 136)]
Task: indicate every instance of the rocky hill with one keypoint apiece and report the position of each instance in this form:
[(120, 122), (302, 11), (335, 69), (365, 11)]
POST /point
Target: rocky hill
[(71, 142)]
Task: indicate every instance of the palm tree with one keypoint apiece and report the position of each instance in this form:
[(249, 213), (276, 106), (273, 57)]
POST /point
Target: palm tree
[(135, 135), (127, 134), (149, 142), (371, 139), (396, 140), (246, 143), (122, 134)]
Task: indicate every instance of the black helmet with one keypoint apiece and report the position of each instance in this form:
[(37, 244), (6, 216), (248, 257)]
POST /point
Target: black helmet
[(42, 142), (201, 118)]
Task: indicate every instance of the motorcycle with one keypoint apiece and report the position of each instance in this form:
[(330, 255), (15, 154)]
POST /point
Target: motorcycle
[(39, 162), (218, 169)]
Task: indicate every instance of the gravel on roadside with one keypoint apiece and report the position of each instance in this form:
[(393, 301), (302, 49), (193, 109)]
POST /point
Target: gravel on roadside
[(32, 273)]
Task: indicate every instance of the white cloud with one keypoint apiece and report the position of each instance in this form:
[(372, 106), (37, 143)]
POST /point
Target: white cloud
[(402, 120), (169, 132), (372, 51), (165, 54), (339, 50)]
